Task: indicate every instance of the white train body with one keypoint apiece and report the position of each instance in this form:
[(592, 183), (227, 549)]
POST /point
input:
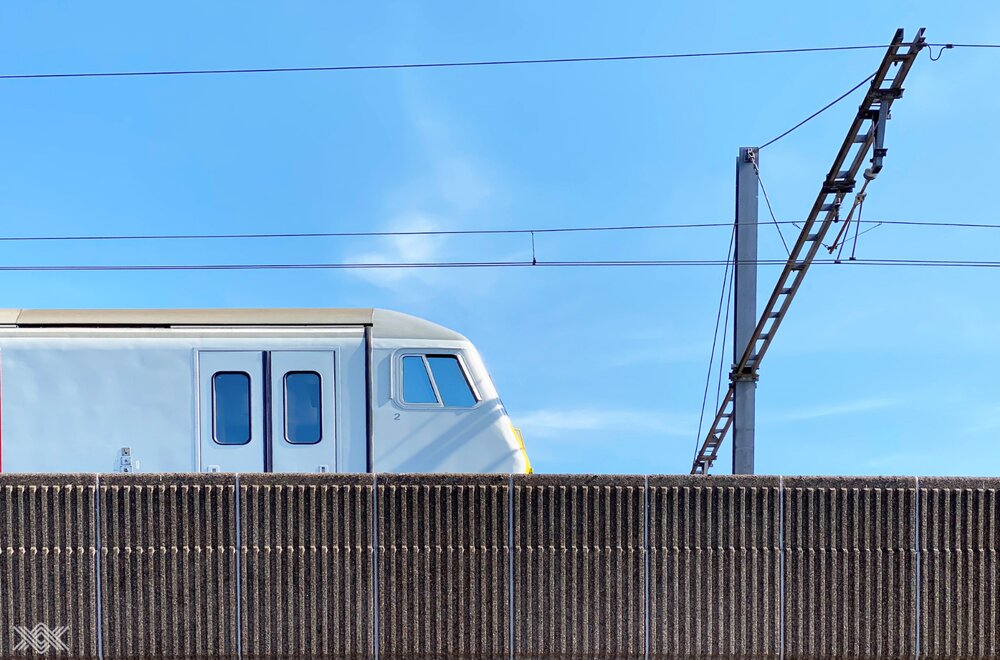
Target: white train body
[(282, 390)]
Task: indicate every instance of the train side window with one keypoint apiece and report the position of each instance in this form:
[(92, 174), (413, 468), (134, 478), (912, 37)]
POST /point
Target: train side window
[(303, 407), (451, 381), (231, 407), (417, 386)]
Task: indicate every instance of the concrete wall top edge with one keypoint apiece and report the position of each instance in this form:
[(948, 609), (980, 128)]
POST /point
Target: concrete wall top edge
[(168, 479), (850, 482), (579, 480), (974, 483), (443, 479), (720, 481), (306, 479), (48, 479), (194, 478)]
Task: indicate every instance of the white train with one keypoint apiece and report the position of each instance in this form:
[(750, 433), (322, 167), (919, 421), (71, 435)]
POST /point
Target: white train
[(252, 390)]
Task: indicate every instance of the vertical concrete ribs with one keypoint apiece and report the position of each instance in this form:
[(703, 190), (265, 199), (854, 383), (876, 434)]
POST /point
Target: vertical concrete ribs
[(443, 566), (498, 566), (48, 548), (306, 566), (714, 563), (168, 566), (579, 567)]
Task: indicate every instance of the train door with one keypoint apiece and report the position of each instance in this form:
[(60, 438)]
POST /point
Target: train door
[(267, 411), (231, 398), (303, 411)]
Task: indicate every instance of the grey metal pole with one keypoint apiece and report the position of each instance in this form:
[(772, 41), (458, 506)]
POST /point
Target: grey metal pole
[(745, 316)]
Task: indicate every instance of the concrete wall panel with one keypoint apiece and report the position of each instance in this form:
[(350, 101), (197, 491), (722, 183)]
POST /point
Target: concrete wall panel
[(960, 568), (47, 562), (443, 566), (579, 566), (168, 566), (850, 567), (306, 569), (714, 567)]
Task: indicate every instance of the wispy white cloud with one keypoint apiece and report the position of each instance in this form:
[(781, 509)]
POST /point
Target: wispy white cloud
[(834, 409), (403, 249), (454, 176), (441, 195), (552, 423)]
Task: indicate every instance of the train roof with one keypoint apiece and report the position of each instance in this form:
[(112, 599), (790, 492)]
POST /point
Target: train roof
[(384, 323)]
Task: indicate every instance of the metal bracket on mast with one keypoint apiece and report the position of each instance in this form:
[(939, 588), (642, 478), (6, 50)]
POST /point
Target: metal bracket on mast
[(867, 134), (881, 117)]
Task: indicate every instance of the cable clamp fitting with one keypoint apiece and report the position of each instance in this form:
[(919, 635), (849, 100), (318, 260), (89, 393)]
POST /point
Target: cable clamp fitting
[(747, 375)]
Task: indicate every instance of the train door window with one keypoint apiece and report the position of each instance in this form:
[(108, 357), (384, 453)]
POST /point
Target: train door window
[(231, 407), (451, 381), (417, 386), (303, 407)]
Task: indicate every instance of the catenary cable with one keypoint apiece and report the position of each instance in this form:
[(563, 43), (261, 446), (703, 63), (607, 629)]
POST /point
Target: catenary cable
[(473, 63), (843, 96), (609, 263), (434, 65), (454, 232)]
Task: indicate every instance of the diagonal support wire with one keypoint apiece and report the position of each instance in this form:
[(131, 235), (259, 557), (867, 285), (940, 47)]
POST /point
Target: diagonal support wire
[(727, 284), (767, 200)]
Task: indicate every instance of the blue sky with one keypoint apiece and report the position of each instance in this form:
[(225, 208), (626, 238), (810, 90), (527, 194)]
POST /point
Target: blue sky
[(875, 371)]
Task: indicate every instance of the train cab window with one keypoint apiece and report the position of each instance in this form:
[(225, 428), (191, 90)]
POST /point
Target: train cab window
[(451, 381), (231, 407), (303, 408), (436, 380), (417, 386)]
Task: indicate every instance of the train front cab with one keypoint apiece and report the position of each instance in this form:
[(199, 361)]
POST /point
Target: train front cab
[(438, 411)]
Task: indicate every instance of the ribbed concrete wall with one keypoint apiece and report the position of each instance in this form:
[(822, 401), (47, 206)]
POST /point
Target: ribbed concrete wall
[(306, 566), (579, 567), (959, 568), (500, 566), (443, 566), (715, 569), (168, 566), (48, 547), (850, 568)]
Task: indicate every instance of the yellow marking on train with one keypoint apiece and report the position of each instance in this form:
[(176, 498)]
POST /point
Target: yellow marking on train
[(524, 452)]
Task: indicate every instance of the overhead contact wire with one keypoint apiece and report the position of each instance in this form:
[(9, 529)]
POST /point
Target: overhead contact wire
[(610, 263)]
